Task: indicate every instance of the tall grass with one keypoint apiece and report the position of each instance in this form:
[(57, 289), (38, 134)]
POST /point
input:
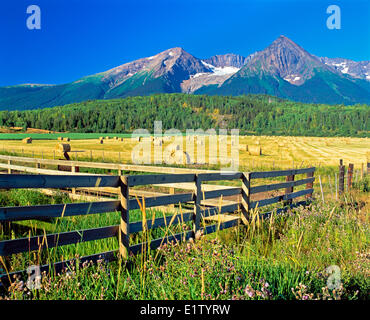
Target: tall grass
[(283, 257)]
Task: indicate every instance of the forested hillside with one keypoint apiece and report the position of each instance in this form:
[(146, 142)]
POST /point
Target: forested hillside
[(258, 114)]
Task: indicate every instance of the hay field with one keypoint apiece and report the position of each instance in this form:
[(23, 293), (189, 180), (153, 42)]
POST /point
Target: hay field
[(277, 152)]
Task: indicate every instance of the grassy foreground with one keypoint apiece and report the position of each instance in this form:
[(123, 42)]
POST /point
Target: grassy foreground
[(285, 257)]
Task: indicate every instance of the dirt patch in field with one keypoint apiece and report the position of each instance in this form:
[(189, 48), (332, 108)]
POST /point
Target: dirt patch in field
[(20, 130)]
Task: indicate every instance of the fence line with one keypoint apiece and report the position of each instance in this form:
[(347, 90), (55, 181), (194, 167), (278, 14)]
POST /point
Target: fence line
[(125, 204)]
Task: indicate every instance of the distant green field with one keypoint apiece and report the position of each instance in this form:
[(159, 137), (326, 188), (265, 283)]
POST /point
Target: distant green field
[(54, 136), (73, 136)]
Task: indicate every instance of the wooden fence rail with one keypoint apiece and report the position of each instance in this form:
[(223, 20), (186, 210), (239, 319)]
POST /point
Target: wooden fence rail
[(126, 203), (37, 162)]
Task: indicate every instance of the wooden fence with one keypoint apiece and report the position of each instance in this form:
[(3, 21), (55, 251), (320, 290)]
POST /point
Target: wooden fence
[(126, 203)]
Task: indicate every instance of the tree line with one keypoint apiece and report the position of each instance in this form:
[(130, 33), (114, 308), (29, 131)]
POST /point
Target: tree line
[(255, 114)]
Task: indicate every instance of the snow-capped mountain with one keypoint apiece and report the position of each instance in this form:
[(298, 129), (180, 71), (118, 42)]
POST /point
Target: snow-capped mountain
[(216, 76), (287, 70), (360, 69), (282, 69)]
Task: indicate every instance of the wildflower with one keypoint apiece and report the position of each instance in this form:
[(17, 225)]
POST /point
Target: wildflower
[(249, 291), (198, 234)]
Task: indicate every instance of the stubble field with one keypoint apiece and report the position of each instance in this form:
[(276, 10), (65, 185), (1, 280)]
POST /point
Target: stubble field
[(279, 152)]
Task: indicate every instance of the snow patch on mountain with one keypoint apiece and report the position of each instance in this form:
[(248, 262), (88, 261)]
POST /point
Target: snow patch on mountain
[(219, 71), (293, 79)]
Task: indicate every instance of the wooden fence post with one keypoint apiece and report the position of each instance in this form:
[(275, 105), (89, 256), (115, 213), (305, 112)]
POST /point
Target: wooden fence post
[(172, 191), (341, 176), (124, 229), (246, 184), (350, 175), (310, 184), (197, 198), (362, 170), (9, 170), (289, 189), (73, 170)]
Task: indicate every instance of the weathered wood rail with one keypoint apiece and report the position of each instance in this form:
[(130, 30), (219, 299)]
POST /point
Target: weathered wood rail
[(126, 203), (37, 162)]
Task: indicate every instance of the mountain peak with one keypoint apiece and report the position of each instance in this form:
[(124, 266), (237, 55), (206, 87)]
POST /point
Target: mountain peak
[(175, 50), (283, 37), (285, 41), (285, 59)]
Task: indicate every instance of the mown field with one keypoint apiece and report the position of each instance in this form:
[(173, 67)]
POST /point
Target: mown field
[(281, 152)]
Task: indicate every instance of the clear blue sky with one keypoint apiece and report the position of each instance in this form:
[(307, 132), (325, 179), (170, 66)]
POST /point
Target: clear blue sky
[(82, 37)]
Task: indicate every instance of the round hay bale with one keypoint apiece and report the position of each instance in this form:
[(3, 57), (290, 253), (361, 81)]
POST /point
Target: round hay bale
[(101, 138), (27, 140), (181, 156), (174, 147), (107, 138), (243, 147), (60, 138), (254, 150), (68, 139), (64, 147)]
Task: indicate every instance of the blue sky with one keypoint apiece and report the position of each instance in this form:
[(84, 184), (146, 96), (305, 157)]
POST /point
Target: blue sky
[(80, 37)]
